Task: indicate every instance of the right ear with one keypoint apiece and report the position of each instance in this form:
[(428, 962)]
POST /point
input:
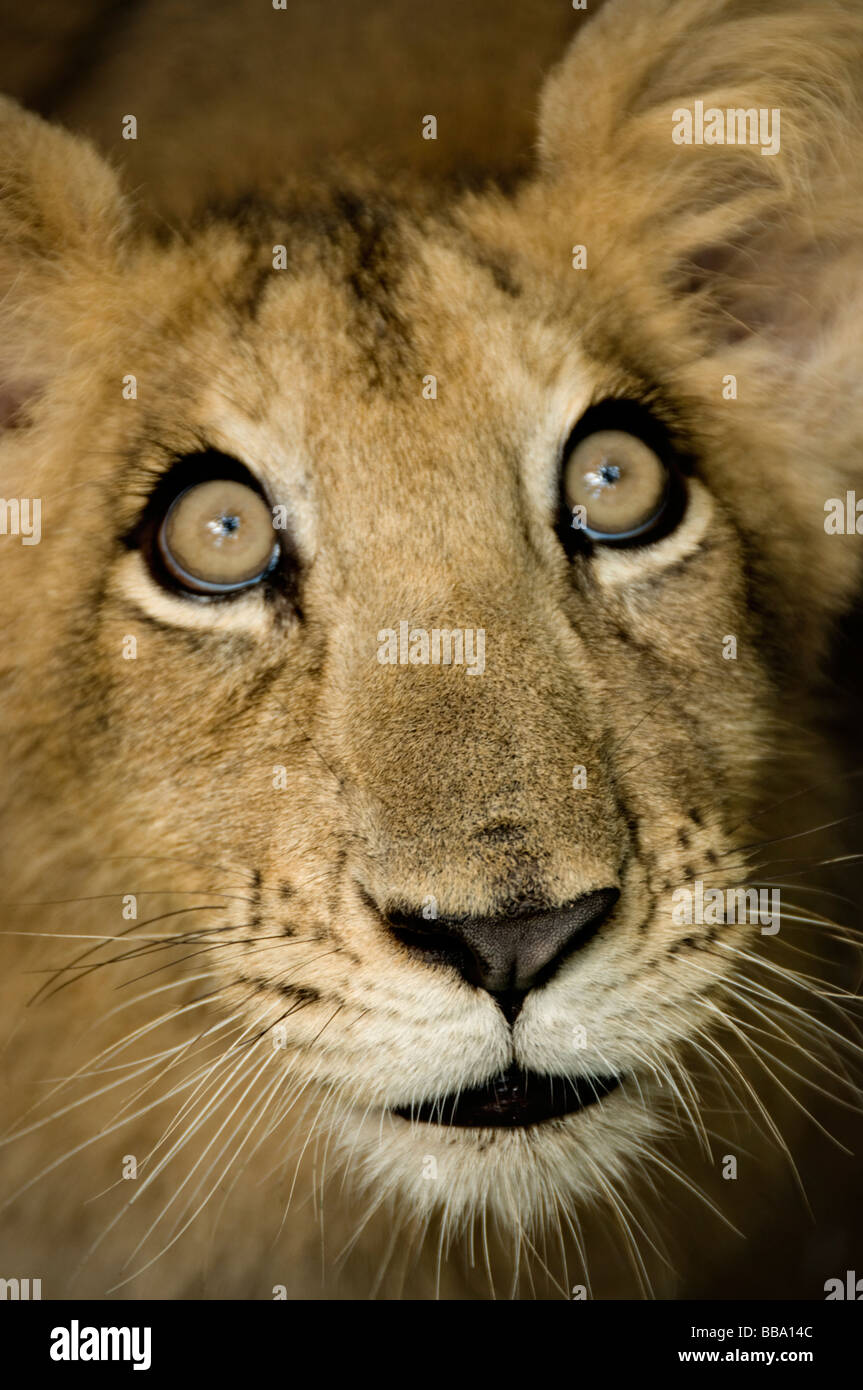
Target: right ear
[(732, 239), (62, 221)]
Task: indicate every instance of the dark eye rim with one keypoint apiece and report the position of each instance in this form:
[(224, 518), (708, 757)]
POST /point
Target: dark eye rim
[(630, 416), (184, 474)]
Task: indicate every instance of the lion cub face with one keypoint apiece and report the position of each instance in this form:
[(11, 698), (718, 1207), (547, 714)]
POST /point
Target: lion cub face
[(395, 624), (434, 612)]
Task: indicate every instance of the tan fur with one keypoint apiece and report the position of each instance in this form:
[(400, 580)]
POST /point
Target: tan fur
[(154, 777)]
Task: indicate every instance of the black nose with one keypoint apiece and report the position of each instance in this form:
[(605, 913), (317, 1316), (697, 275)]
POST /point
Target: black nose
[(507, 955)]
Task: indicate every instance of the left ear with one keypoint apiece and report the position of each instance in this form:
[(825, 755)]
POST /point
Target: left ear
[(62, 222), (723, 144)]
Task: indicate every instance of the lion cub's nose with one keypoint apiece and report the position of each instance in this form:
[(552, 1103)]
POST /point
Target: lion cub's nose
[(508, 956)]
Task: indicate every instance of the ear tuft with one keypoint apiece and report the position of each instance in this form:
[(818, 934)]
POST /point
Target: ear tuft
[(62, 218), (755, 224), (57, 195)]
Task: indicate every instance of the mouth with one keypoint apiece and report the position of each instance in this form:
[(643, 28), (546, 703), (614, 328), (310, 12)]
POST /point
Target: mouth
[(512, 1100)]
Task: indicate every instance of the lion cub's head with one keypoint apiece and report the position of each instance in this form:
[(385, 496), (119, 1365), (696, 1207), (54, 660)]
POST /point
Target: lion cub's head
[(419, 594)]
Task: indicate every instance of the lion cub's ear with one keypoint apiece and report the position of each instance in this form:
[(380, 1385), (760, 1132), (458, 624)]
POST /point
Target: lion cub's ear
[(708, 157), (62, 220)]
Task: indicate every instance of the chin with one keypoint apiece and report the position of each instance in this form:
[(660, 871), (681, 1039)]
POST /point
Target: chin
[(521, 1176)]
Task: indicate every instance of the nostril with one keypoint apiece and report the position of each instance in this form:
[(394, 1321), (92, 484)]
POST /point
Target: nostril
[(587, 914), (507, 955), (436, 944)]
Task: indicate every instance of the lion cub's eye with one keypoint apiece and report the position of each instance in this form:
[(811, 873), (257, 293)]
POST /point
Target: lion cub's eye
[(217, 537), (616, 487)]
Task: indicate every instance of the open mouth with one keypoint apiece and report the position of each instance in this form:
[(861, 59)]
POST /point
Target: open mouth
[(514, 1099)]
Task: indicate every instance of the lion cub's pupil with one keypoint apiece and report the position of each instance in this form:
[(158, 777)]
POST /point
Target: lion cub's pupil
[(217, 537)]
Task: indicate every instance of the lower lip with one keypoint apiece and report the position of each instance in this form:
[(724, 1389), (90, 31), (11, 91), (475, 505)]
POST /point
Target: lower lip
[(512, 1101)]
